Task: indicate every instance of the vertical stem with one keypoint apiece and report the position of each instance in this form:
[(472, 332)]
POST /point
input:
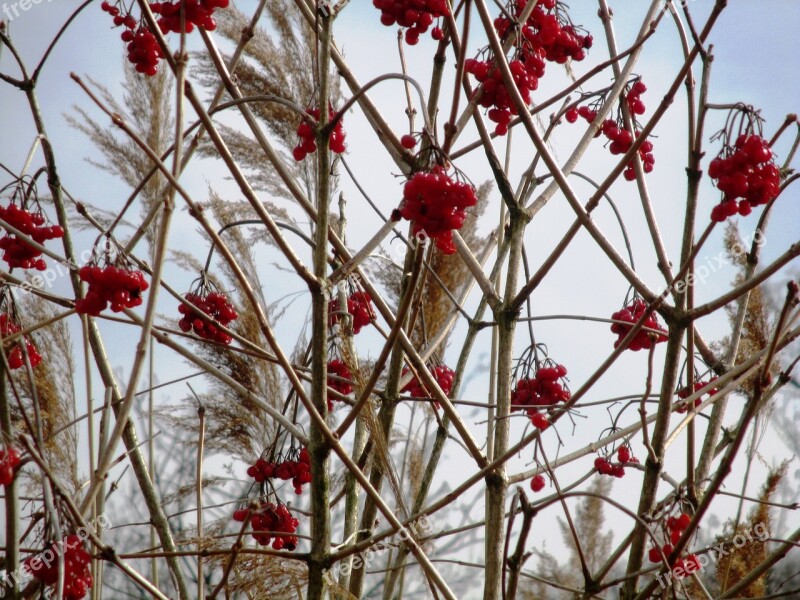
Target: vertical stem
[(151, 454), (201, 413), (653, 467), (385, 419), (497, 481), (516, 560), (352, 489), (11, 562), (318, 449)]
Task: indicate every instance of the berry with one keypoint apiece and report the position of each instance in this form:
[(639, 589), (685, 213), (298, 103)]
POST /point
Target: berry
[(279, 522), (215, 305), (9, 460), (691, 564), (635, 105), (685, 392), (537, 483), (443, 375), (620, 138), (240, 515), (339, 368), (631, 314), (15, 356), (359, 305), (683, 521), (17, 252), (294, 466), (623, 454), (197, 13), (540, 391), (606, 467), (77, 573), (571, 115), (435, 203), (746, 175), (416, 15), (307, 144), (408, 141), (603, 466), (120, 287), (547, 35), (539, 421), (144, 51)]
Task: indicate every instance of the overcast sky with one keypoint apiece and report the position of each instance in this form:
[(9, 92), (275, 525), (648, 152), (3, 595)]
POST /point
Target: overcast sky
[(756, 63)]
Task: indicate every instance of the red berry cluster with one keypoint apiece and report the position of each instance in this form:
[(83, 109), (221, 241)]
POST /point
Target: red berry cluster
[(339, 368), (359, 305), (298, 470), (415, 15), (143, 49), (746, 175), (686, 391), (308, 145), (443, 375), (540, 391), (675, 528), (621, 139), (16, 251), (537, 483), (120, 287), (119, 18), (16, 358), (633, 97), (77, 573), (494, 94), (548, 34), (644, 340), (215, 305), (606, 467), (435, 203), (198, 13), (272, 518), (9, 459)]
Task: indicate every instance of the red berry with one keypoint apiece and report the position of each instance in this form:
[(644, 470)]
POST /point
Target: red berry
[(537, 483), (540, 421), (571, 115), (654, 555), (408, 141)]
